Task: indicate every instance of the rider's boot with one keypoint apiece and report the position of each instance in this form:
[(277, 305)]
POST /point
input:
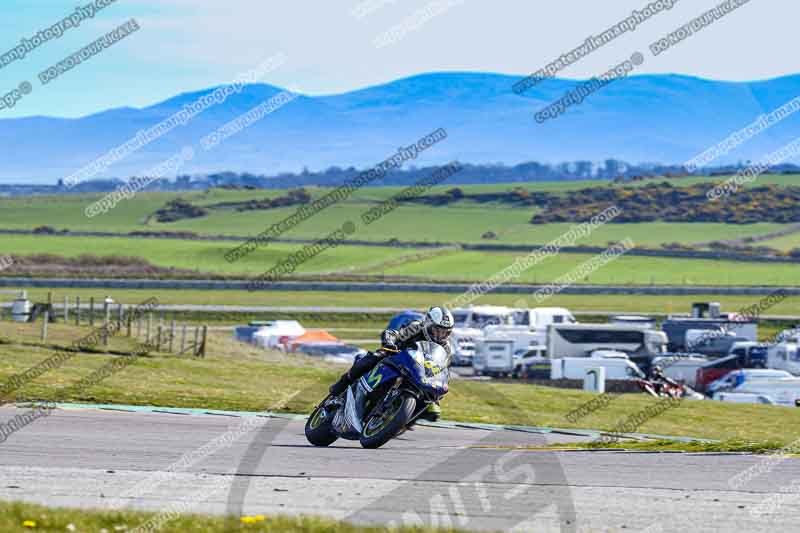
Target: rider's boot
[(360, 367), (432, 414)]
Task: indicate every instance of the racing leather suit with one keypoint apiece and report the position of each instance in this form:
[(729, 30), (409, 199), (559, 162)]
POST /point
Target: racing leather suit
[(392, 339)]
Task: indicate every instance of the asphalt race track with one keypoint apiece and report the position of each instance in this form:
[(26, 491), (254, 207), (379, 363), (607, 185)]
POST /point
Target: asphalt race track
[(467, 478)]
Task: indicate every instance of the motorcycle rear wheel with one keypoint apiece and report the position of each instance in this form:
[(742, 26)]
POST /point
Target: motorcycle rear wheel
[(381, 428), (319, 430)]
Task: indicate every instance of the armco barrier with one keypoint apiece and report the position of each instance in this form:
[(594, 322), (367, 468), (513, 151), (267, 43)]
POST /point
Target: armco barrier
[(340, 286)]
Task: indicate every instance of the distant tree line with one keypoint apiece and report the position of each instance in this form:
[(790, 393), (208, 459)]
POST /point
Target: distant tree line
[(609, 169)]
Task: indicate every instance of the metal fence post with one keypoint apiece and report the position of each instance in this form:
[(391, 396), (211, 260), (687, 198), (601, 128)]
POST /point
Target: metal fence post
[(196, 348), (45, 320), (149, 324), (158, 337), (77, 310), (171, 334), (119, 316), (203, 344), (66, 309), (183, 339), (91, 311)]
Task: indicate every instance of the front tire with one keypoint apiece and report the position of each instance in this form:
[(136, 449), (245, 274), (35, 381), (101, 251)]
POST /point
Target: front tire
[(381, 428), (319, 430)]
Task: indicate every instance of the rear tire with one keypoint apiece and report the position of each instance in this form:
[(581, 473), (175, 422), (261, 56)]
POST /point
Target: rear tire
[(380, 429), (319, 431)]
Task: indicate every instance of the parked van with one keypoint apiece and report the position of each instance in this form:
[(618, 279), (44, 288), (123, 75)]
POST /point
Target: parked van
[(576, 367), (784, 391), (733, 379), (743, 397)]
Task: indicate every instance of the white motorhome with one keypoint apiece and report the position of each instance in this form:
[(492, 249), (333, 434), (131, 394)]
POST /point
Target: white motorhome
[(528, 333), (580, 340), (785, 355), (468, 328), (538, 318)]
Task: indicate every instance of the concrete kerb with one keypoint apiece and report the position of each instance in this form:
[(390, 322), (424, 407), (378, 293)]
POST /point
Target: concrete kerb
[(444, 424)]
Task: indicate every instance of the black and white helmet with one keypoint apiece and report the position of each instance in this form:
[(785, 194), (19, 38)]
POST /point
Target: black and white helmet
[(438, 324)]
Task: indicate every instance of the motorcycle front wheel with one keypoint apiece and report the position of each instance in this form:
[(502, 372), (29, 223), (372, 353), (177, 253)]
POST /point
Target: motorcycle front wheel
[(380, 427), (319, 431)]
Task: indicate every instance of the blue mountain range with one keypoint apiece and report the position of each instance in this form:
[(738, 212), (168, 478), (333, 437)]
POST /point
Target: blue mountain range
[(654, 118)]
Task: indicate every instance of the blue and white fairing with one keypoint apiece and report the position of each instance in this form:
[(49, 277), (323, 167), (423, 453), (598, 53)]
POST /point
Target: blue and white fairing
[(423, 369)]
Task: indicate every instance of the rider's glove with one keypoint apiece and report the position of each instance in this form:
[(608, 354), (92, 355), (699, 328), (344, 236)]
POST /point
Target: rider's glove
[(389, 347)]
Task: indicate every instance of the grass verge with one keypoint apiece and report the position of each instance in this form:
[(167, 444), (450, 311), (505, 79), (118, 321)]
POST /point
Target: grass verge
[(732, 445), (18, 517), (235, 376)]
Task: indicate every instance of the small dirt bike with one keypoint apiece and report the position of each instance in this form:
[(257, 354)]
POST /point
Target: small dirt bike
[(381, 404)]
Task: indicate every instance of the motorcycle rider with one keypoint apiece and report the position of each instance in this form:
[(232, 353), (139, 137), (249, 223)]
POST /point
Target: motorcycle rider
[(436, 326), (661, 380)]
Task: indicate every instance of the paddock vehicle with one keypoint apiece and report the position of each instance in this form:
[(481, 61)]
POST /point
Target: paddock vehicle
[(681, 367), (382, 404), (468, 328), (736, 378), (708, 318), (579, 340), (576, 367), (714, 370), (780, 391), (785, 355)]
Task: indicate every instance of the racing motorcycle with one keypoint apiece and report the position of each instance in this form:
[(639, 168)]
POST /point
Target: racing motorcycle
[(662, 387), (382, 404)]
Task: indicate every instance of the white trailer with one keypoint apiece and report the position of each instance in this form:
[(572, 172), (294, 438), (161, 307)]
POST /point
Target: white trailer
[(580, 340), (500, 353)]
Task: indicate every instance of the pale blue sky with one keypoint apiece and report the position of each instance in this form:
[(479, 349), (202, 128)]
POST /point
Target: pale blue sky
[(186, 45)]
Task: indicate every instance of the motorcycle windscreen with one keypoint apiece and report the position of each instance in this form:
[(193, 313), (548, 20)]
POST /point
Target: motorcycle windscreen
[(434, 362)]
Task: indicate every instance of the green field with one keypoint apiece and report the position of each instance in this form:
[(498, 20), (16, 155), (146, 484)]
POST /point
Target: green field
[(462, 222), (627, 270), (420, 264)]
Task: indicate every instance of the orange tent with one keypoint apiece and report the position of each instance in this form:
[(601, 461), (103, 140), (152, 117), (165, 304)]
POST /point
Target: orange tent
[(310, 336)]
